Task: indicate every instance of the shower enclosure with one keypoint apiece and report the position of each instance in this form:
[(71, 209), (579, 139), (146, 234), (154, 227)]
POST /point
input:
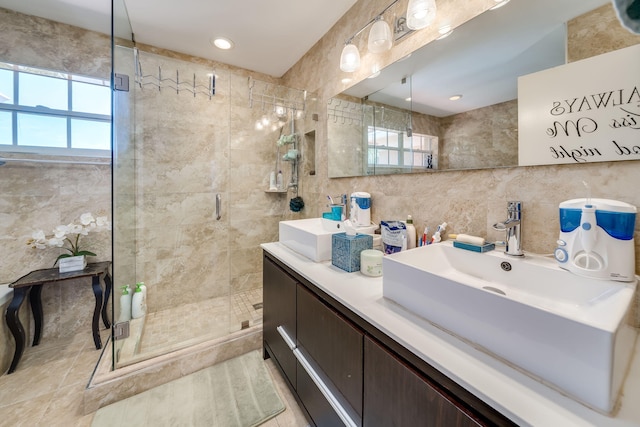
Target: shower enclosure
[(190, 171)]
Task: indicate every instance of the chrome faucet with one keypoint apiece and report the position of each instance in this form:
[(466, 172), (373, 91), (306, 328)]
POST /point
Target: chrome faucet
[(512, 226)]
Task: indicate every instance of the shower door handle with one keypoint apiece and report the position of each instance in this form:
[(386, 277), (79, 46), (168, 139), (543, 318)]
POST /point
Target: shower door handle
[(218, 203)]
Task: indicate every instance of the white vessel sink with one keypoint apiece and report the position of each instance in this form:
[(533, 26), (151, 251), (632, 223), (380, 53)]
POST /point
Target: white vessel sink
[(568, 331), (312, 237)]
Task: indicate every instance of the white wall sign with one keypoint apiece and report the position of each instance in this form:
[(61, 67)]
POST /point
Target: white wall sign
[(585, 111)]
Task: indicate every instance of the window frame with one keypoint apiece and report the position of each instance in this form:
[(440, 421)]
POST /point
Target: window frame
[(69, 115)]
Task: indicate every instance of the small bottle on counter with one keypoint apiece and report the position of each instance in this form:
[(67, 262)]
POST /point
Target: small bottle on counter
[(411, 233)]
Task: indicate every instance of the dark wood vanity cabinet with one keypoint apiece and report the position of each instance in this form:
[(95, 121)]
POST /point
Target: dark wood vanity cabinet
[(334, 345), (279, 295), (396, 395), (369, 377)]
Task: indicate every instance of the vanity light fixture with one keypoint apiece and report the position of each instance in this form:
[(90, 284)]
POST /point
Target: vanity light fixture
[(455, 97), (499, 4), (380, 36), (350, 58), (222, 43), (420, 13)]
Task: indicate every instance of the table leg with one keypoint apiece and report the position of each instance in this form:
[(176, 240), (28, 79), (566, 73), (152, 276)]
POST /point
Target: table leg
[(35, 299), (97, 291), (105, 303), (15, 326)]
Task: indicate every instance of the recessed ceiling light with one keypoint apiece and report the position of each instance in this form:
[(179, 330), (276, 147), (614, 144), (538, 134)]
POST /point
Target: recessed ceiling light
[(222, 43), (455, 97), (346, 80), (500, 4), (444, 31)]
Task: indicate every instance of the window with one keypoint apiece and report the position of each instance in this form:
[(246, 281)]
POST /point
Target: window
[(395, 149), (53, 112)]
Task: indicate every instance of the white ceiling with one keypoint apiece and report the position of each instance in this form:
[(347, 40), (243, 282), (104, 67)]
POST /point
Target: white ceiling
[(270, 36)]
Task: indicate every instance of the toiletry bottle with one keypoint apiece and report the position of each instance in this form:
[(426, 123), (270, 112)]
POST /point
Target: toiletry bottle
[(144, 294), (137, 308), (125, 305), (279, 184), (411, 233), (272, 181)]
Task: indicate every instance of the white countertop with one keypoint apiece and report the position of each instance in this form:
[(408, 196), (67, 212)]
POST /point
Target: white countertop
[(513, 393)]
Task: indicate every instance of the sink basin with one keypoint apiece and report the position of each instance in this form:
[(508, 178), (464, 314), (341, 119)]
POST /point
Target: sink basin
[(312, 237), (567, 331)]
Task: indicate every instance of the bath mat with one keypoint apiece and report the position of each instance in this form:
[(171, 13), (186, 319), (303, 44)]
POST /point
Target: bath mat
[(236, 393)]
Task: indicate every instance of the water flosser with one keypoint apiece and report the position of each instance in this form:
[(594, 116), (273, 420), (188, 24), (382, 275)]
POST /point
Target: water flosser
[(588, 227), (588, 230)]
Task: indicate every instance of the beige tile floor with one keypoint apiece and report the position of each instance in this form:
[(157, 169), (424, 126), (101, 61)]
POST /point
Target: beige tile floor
[(47, 388), (189, 324)]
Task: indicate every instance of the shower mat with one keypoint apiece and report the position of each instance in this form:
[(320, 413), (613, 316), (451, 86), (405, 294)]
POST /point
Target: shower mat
[(236, 393)]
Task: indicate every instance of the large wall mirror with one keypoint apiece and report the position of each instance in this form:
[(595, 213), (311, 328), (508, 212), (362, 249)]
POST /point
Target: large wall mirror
[(406, 119)]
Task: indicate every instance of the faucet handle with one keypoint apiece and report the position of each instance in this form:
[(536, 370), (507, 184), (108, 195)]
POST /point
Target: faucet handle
[(514, 206)]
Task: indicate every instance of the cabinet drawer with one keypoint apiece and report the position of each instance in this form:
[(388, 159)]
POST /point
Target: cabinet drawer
[(314, 401), (334, 344), (279, 298), (396, 395)]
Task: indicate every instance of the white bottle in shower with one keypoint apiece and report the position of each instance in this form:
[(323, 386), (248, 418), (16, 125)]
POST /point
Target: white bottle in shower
[(125, 305), (137, 303), (144, 294)]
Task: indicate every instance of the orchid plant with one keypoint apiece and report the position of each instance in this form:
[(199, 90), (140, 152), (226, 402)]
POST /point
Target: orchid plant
[(70, 235)]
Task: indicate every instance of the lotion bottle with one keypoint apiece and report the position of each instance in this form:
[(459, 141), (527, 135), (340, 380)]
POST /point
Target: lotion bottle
[(411, 233), (137, 306), (125, 305)]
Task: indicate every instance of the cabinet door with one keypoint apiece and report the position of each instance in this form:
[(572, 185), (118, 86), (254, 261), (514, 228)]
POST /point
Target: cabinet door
[(279, 311), (395, 395), (334, 344)]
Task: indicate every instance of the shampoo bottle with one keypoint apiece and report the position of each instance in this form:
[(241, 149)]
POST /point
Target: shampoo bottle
[(411, 233), (144, 294), (279, 183), (272, 181), (125, 305), (137, 306)]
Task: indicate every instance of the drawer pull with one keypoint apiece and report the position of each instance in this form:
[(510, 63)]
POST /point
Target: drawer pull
[(287, 339), (333, 401)]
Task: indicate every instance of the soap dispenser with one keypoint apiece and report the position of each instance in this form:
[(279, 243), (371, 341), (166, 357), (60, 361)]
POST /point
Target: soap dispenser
[(137, 303), (125, 305)]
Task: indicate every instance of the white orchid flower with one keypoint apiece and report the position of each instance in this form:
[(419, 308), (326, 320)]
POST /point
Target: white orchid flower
[(61, 231), (87, 218), (55, 242), (38, 236)]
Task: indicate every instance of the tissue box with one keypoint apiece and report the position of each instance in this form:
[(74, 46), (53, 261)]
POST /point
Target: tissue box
[(345, 250)]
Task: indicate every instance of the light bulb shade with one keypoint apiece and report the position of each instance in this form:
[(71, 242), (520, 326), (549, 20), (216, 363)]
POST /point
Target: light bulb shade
[(350, 59), (420, 13), (380, 37)]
